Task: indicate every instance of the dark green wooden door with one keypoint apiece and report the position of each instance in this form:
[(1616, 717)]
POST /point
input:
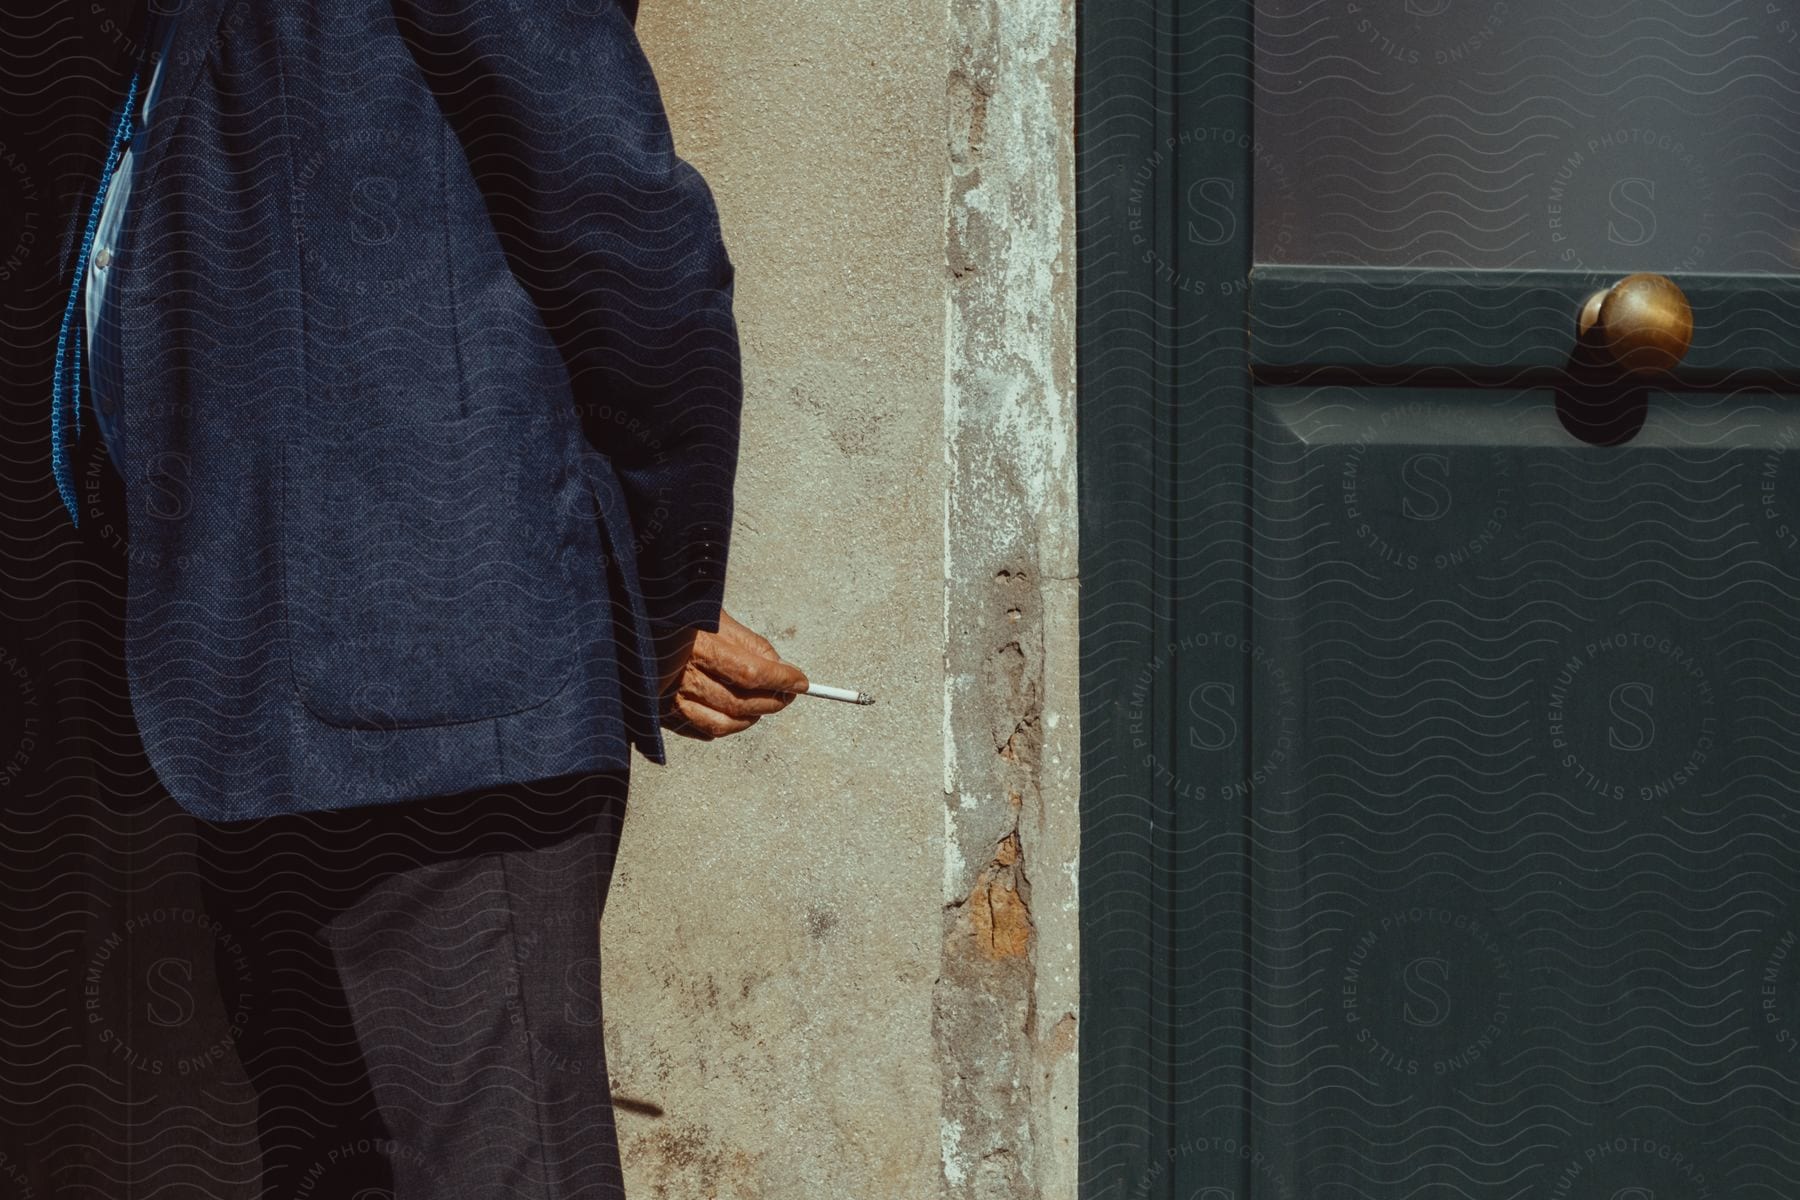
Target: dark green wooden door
[(1442, 681)]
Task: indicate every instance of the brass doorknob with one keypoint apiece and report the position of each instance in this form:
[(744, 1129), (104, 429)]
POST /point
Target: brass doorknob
[(1643, 321)]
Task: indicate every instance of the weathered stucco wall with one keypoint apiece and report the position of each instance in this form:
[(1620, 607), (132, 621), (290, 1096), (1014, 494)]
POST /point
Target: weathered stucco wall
[(840, 949)]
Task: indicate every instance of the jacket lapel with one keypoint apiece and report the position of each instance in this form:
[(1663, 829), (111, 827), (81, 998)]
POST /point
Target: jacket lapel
[(198, 22), (195, 33), (101, 60)]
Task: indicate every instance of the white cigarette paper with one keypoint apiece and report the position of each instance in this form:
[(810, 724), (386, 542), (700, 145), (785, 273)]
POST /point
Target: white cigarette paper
[(847, 695)]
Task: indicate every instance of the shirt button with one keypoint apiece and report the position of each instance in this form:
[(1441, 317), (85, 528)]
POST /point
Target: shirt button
[(103, 258)]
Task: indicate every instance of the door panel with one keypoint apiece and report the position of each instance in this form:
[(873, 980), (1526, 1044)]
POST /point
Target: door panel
[(1440, 676), (1519, 894), (1654, 135)]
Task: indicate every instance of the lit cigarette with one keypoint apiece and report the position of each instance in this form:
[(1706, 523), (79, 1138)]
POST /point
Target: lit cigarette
[(844, 694)]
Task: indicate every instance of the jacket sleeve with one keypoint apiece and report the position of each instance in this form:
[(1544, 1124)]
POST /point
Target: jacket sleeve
[(618, 242)]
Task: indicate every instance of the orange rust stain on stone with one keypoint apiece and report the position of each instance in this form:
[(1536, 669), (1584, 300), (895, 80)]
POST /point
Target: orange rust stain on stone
[(998, 915)]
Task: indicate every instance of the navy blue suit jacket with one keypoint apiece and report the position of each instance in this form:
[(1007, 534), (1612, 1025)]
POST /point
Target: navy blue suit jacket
[(430, 400)]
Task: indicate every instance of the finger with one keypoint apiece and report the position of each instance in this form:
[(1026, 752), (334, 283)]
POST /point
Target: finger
[(732, 700), (708, 721), (674, 722), (733, 665), (758, 675)]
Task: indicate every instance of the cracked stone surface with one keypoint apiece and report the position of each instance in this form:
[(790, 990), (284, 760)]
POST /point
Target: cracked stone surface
[(840, 951)]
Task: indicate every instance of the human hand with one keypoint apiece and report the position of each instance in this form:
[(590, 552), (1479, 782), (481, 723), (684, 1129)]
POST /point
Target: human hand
[(715, 684)]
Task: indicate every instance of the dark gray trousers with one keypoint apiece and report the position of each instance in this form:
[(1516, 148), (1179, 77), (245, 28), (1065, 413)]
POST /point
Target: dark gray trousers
[(413, 991)]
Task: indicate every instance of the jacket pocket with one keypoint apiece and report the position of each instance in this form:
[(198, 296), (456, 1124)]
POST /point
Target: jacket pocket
[(427, 569)]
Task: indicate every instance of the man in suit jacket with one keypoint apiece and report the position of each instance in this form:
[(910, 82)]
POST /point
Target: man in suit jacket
[(414, 347)]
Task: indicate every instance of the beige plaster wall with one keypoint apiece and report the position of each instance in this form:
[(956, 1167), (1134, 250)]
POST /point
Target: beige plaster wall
[(839, 951)]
